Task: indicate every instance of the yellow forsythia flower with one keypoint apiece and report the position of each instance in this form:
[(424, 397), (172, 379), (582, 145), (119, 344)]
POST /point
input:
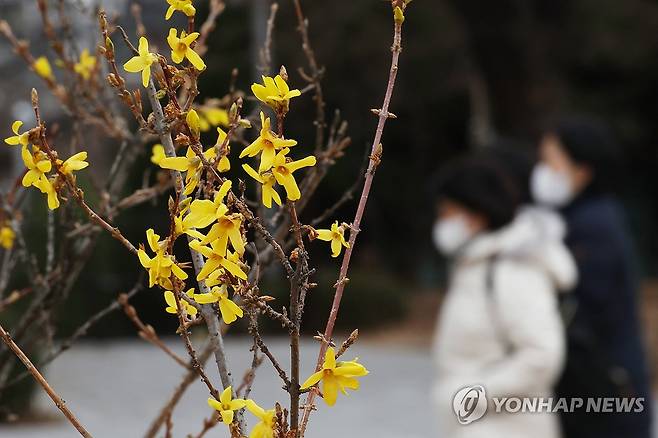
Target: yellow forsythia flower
[(212, 116), (275, 93), (18, 138), (142, 62), (335, 376), (186, 308), (203, 212), (219, 294), (227, 404), (180, 48), (86, 65), (267, 143), (74, 163), (42, 68), (267, 180), (227, 228), (190, 163), (182, 227), (157, 154), (185, 6), (37, 165), (48, 188), (264, 428), (216, 278), (162, 265), (224, 165), (215, 259), (283, 172), (336, 235), (7, 237), (193, 122)]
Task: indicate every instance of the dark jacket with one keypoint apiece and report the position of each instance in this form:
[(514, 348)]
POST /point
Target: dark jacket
[(605, 354)]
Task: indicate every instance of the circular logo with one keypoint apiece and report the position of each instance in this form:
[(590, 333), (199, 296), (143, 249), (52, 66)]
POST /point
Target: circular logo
[(470, 404)]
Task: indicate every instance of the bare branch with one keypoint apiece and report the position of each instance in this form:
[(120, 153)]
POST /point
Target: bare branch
[(44, 383)]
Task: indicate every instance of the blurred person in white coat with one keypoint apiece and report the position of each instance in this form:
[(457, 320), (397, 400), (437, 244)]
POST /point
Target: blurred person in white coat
[(499, 330)]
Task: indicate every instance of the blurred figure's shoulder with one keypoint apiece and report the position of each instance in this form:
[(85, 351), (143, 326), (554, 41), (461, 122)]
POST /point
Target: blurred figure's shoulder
[(547, 223), (596, 215)]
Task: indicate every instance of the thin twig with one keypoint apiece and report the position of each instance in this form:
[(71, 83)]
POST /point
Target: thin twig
[(216, 9), (375, 159), (178, 393), (315, 78), (80, 331), (253, 330), (266, 50), (147, 332), (44, 383)]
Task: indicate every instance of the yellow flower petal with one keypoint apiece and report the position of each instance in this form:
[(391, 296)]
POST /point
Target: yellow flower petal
[(226, 395), (330, 391), (329, 359), (134, 65), (325, 235), (195, 59), (233, 269), (16, 126), (175, 163), (205, 298), (214, 404), (315, 378)]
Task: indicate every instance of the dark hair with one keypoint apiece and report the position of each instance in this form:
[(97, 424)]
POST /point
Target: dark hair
[(479, 185), (589, 142), (517, 160)]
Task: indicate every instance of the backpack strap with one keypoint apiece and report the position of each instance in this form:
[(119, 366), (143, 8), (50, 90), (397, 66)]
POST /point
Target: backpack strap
[(494, 311)]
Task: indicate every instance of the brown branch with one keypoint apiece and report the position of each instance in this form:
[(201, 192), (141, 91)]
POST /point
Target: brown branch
[(216, 9), (250, 374), (347, 196), (75, 191), (196, 364), (180, 389), (315, 78), (267, 310), (14, 296), (208, 423), (147, 332), (296, 282), (253, 330), (79, 332), (266, 50), (375, 159), (44, 383)]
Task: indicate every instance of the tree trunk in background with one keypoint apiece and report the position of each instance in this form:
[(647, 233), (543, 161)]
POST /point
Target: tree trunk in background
[(523, 85), (259, 14)]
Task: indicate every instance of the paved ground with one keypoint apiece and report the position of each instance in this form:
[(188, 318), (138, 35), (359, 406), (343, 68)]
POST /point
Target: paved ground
[(116, 388)]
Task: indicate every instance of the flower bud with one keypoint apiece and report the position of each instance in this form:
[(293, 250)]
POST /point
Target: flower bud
[(283, 73), (233, 111), (398, 15)]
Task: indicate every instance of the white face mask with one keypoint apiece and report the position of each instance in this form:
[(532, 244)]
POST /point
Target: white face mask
[(449, 235), (550, 187)]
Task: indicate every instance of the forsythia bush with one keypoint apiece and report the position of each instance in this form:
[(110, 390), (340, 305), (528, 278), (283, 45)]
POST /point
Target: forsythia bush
[(230, 238)]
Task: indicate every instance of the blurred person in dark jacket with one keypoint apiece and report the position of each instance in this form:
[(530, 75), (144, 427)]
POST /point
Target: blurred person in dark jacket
[(605, 354)]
